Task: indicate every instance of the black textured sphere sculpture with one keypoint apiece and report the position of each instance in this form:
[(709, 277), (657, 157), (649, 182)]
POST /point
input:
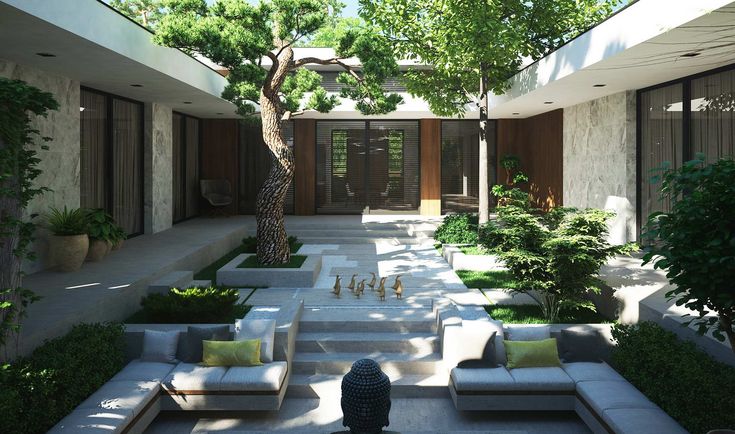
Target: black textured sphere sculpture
[(365, 398)]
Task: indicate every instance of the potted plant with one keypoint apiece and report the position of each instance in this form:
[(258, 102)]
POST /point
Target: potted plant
[(69, 243), (118, 237), (101, 229)]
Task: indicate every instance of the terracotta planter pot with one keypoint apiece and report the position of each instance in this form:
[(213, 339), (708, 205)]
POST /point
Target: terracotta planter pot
[(98, 249), (118, 245), (68, 251)]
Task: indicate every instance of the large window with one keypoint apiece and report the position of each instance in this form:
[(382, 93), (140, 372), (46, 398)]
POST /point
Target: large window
[(111, 157), (185, 167), (679, 120)]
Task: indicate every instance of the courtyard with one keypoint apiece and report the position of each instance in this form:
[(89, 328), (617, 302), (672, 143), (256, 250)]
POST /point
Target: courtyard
[(399, 216)]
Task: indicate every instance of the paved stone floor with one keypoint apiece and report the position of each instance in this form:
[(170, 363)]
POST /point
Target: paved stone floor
[(311, 416)]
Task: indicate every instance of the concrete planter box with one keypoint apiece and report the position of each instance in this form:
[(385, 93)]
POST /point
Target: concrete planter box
[(460, 261), (303, 277)]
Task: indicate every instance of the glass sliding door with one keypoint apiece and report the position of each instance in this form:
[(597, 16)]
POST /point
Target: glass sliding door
[(111, 157), (367, 167), (341, 185), (460, 156), (712, 126), (185, 167), (127, 165), (393, 166), (662, 140), (94, 152)]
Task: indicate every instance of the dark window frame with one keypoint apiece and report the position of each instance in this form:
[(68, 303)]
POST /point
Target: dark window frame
[(109, 140), (686, 83), (183, 167)]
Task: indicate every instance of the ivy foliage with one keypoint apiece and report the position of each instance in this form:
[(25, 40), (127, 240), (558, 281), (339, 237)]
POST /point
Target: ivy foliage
[(19, 160), (238, 35), (695, 242), (556, 259), (465, 40)]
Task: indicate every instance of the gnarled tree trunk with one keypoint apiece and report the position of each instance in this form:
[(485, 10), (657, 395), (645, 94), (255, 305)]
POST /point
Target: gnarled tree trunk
[(272, 240)]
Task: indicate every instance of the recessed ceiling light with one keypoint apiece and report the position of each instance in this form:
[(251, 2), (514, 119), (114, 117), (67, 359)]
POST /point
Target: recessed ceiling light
[(136, 85), (42, 54), (187, 102), (692, 54), (81, 109), (548, 102), (220, 113), (516, 114), (599, 85)]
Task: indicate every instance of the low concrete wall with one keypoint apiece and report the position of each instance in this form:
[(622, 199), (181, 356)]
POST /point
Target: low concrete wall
[(303, 277), (460, 261)]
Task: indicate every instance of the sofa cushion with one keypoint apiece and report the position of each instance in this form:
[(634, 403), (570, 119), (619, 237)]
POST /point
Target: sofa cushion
[(476, 345), (528, 333), (497, 327), (584, 345), (608, 395), (482, 379), (532, 354), (267, 377), (93, 421), (544, 379), (191, 350), (589, 371), (191, 376), (160, 346), (138, 370), (641, 421), (122, 396), (263, 329)]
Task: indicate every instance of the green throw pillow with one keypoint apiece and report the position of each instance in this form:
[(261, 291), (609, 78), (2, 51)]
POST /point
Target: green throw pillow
[(532, 354), (231, 353)]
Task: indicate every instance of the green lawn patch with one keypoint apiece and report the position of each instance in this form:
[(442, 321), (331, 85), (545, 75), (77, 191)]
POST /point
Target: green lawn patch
[(531, 314), (252, 262), (487, 279)]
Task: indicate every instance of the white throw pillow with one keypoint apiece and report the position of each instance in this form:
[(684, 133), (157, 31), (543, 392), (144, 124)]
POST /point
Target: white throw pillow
[(263, 329), (160, 346), (529, 333)]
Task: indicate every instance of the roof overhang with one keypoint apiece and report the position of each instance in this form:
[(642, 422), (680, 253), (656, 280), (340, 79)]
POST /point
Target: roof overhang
[(648, 43), (103, 49)]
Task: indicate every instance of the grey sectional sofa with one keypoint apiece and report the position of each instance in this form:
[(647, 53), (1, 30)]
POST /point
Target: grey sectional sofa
[(601, 397), (130, 401)]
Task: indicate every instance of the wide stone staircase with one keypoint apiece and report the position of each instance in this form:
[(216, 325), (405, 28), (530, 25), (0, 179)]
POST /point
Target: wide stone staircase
[(334, 231), (403, 341)]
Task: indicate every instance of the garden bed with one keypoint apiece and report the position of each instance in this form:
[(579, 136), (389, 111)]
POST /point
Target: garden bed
[(233, 275), (531, 314), (210, 271), (252, 262)]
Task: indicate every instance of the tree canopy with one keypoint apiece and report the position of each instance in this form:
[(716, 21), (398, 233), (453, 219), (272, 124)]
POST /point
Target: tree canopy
[(464, 39), (239, 35), (144, 12), (330, 35)]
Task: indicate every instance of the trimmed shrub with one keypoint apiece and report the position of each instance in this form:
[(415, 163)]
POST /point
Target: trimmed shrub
[(191, 305), (40, 390), (457, 229), (686, 383)]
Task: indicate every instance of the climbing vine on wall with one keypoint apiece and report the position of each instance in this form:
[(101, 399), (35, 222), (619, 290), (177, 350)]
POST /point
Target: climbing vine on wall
[(19, 103)]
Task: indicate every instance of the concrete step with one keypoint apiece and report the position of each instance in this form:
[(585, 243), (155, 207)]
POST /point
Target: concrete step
[(359, 232), (393, 364), (409, 343), (174, 279), (328, 386), (366, 240), (200, 283), (336, 224), (367, 320)]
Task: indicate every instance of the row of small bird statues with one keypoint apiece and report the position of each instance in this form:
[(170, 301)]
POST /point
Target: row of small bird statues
[(357, 289)]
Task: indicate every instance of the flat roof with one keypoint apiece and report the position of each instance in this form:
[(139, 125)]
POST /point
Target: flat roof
[(649, 42)]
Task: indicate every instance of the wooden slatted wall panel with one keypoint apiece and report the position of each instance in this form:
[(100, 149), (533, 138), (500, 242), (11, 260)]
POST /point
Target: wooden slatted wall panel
[(430, 166), (305, 176), (219, 155)]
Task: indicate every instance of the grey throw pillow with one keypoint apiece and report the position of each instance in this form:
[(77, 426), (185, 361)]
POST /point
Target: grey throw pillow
[(192, 351), (160, 346), (584, 345), (529, 333), (263, 329)]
